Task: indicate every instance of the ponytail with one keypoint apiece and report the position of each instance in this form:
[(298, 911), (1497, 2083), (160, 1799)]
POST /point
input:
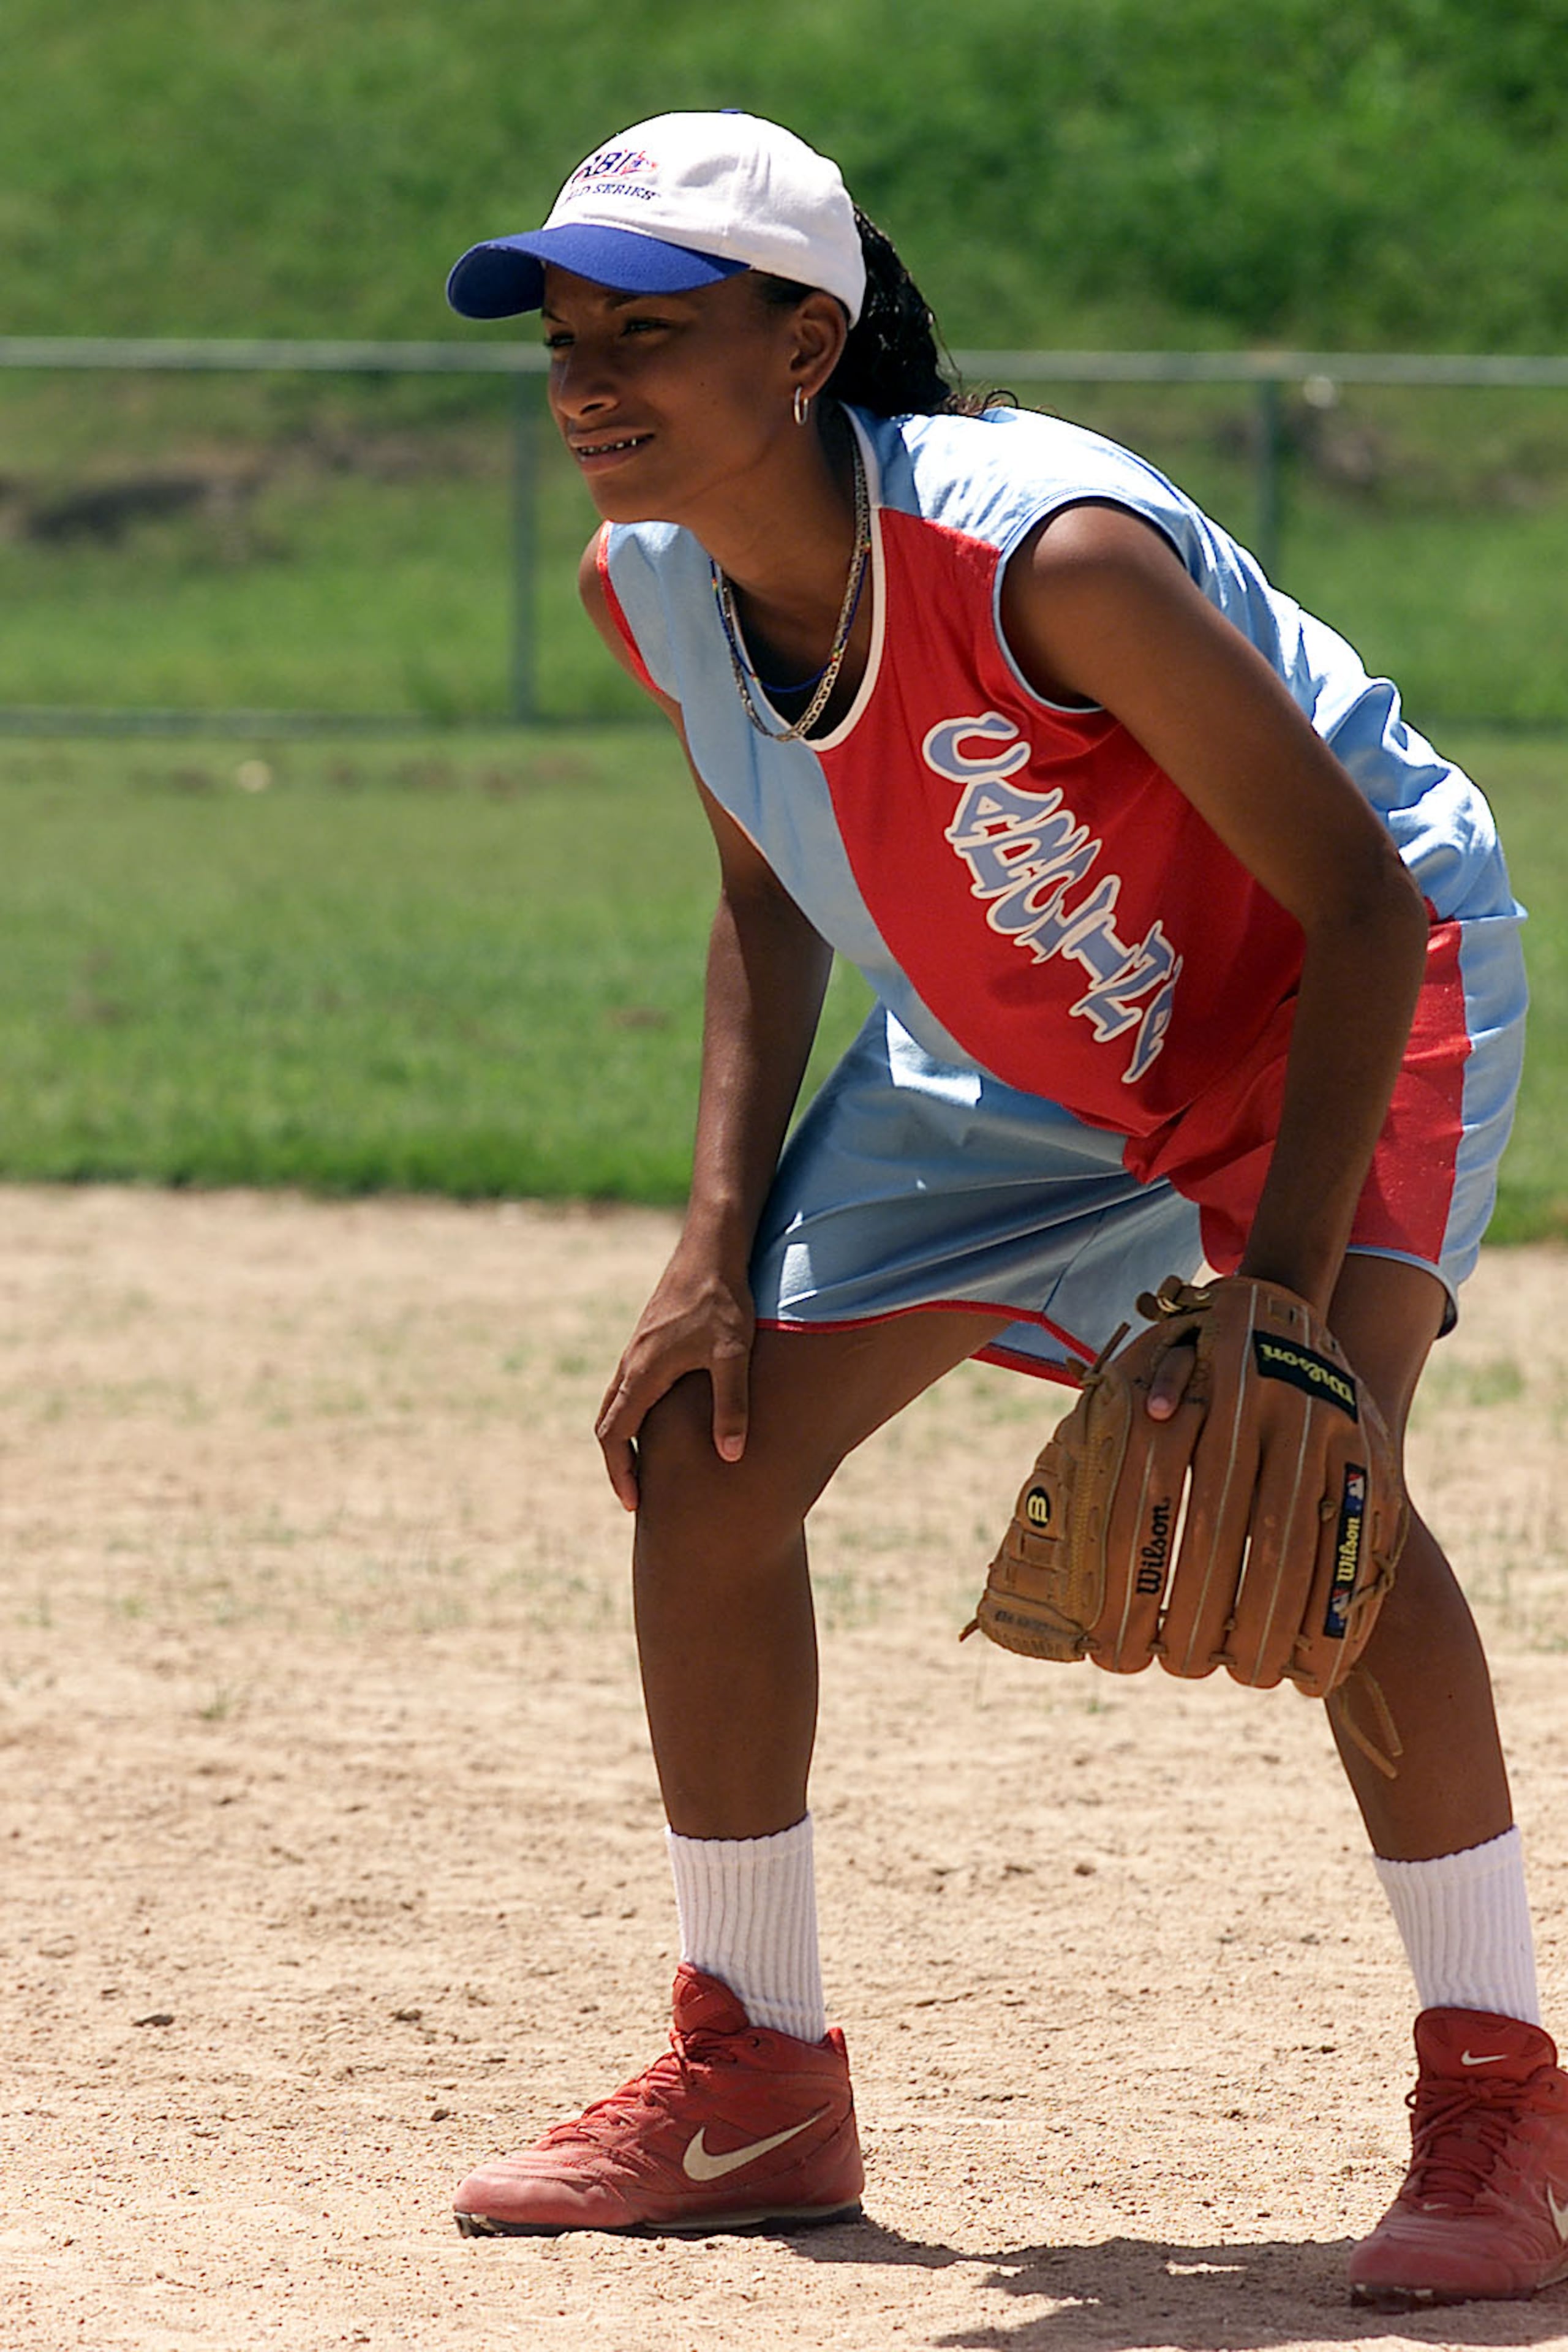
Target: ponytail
[(890, 364)]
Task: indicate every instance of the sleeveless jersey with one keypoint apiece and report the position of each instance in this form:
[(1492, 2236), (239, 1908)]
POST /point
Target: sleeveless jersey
[(1021, 884)]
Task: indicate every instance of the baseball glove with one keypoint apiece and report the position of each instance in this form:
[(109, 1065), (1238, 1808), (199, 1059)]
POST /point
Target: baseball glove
[(1257, 1529)]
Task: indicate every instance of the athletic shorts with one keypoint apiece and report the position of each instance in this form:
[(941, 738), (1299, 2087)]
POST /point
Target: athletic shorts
[(913, 1184)]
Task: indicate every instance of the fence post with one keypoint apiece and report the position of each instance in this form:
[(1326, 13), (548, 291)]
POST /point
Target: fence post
[(524, 542), (1267, 490)]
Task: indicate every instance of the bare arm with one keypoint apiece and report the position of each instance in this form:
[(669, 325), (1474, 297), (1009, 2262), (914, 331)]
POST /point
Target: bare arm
[(767, 971), (1097, 604)]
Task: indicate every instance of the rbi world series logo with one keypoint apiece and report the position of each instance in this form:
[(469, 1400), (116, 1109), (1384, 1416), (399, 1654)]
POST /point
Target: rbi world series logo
[(613, 163), (618, 172)]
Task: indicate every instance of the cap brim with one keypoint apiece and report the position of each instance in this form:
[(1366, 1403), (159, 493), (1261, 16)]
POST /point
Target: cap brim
[(506, 275)]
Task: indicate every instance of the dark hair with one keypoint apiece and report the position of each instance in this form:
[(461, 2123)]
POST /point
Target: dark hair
[(892, 363)]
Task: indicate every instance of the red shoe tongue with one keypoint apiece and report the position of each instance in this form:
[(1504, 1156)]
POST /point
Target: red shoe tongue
[(1473, 2045), (703, 2005)]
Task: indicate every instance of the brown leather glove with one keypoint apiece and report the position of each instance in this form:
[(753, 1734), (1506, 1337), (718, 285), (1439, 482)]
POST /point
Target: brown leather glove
[(1257, 1529)]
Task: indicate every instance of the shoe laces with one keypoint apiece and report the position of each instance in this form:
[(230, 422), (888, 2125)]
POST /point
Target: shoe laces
[(661, 2087), (1459, 2132)]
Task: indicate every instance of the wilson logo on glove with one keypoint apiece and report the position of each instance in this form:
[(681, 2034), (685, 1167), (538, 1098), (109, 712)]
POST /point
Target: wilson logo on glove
[(1155, 1556), (1314, 1373)]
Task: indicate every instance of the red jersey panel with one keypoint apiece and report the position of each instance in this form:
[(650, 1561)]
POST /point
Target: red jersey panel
[(1050, 893)]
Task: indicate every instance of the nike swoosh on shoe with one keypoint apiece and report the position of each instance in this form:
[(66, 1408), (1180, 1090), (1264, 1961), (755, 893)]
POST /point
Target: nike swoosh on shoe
[(1559, 2213), (1488, 2058), (699, 2165)]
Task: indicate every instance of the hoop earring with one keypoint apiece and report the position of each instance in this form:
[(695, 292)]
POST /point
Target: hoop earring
[(801, 406)]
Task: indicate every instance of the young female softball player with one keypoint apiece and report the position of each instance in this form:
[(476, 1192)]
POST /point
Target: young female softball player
[(1184, 946)]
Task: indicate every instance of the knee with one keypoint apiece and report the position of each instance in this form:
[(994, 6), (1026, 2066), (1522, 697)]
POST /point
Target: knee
[(691, 1498), (676, 1440)]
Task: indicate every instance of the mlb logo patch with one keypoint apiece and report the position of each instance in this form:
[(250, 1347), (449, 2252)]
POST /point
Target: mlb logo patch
[(1347, 1552)]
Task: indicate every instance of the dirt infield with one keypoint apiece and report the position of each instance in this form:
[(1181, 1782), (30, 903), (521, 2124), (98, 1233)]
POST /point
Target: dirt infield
[(333, 1855)]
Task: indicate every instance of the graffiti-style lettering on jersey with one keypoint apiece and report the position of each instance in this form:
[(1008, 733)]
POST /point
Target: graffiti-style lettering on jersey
[(1026, 853)]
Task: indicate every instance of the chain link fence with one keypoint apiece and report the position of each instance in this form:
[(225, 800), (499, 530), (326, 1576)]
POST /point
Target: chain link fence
[(274, 538)]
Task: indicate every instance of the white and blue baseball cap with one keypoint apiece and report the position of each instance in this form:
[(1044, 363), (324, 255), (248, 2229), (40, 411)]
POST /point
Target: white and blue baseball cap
[(677, 203)]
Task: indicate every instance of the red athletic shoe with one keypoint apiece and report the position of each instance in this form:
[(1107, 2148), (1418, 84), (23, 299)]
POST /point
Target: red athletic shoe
[(738, 2128), (1483, 2213)]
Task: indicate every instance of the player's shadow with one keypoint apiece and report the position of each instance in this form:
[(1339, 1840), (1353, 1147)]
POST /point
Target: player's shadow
[(1129, 2294)]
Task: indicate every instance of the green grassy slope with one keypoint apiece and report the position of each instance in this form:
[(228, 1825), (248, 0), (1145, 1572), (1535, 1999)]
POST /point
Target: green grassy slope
[(1387, 171), (1073, 171)]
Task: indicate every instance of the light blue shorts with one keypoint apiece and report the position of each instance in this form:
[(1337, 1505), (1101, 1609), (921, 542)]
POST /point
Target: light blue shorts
[(911, 1184)]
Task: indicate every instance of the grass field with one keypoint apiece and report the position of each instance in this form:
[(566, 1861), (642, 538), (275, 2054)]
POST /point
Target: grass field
[(473, 970), (464, 965)]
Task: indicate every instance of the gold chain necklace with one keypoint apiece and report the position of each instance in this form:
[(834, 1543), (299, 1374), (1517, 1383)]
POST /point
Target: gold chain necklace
[(827, 677)]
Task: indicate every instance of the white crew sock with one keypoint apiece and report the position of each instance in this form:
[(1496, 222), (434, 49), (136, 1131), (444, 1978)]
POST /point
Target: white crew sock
[(747, 1916), (1465, 1921)]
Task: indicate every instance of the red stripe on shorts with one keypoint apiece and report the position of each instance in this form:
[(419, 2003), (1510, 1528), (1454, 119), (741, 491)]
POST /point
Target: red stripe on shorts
[(1406, 1201), (1218, 1154)]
